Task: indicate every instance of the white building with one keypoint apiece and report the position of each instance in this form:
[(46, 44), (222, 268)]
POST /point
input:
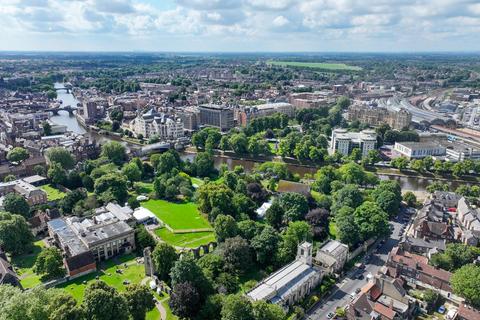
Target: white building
[(343, 141), (152, 123), (292, 282), (332, 256), (418, 150)]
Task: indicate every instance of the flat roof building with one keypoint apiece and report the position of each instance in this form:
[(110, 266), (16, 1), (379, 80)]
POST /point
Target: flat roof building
[(218, 116), (418, 150), (344, 141)]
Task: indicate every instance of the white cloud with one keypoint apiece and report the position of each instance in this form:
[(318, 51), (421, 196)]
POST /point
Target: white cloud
[(380, 23)]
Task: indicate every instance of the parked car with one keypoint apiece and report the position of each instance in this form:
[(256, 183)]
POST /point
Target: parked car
[(357, 291), (330, 315)]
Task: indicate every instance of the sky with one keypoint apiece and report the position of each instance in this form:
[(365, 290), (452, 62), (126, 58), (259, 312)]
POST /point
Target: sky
[(240, 25)]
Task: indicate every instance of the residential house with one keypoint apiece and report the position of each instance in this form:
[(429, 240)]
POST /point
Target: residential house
[(7, 275), (384, 298)]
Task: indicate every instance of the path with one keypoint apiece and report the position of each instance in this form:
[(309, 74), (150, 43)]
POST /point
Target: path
[(161, 309)]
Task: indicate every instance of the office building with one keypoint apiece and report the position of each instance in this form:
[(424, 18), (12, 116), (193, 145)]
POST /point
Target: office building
[(375, 116), (343, 141), (216, 116), (418, 150)]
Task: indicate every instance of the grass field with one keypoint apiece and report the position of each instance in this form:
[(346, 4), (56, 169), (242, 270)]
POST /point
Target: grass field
[(24, 266), (134, 273), (187, 240), (332, 230), (53, 194), (316, 65), (179, 216), (199, 182), (143, 187)]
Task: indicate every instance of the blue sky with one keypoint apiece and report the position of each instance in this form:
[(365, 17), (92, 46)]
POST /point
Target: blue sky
[(240, 25)]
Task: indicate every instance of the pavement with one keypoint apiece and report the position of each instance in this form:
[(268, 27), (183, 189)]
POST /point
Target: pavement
[(341, 294)]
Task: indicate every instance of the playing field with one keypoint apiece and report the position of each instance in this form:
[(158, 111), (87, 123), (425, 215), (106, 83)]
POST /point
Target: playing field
[(53, 194), (179, 216), (316, 65), (187, 240)]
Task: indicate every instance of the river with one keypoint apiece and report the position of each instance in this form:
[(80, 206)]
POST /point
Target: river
[(69, 120), (406, 182)]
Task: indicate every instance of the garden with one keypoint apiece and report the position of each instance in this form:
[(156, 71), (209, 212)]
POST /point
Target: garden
[(53, 194), (117, 272), (24, 263)]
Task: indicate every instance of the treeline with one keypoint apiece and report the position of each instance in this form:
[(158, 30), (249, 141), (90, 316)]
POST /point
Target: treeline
[(109, 85)]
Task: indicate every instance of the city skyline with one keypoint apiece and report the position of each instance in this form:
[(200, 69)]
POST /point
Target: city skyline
[(240, 26)]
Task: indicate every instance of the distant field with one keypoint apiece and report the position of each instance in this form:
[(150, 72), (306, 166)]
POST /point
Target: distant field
[(179, 216), (316, 65), (187, 240)]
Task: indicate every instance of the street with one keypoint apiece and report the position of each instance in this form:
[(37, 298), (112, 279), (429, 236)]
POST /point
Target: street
[(341, 294)]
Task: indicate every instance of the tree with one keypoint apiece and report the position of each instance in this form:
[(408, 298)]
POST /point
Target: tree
[(187, 270), (143, 238), (274, 215), (295, 204), (352, 173), (15, 235), (47, 128), (17, 154), (371, 220), (114, 151), (265, 245), (16, 204), (111, 186), (49, 263), (62, 156), (167, 162), (204, 164), (400, 163), (184, 300), (64, 307), (466, 283), (239, 143), (9, 178), (346, 227), (388, 202), (431, 298), (163, 258), (244, 205), (213, 195), (212, 308), (295, 233), (116, 114), (102, 302), (57, 174), (132, 172), (263, 310), (237, 307), (318, 219), (237, 254), (225, 227), (455, 256), (139, 300), (39, 170), (410, 198), (350, 195), (70, 200), (323, 178)]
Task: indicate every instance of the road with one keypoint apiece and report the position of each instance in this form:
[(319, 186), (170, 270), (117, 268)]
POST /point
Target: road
[(340, 294)]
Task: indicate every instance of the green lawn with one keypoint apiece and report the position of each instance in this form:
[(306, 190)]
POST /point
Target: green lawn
[(316, 65), (332, 229), (179, 216), (188, 240), (23, 265), (199, 182), (53, 194), (143, 187), (134, 273)]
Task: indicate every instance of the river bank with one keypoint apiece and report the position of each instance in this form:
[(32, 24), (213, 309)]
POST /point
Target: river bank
[(409, 181)]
